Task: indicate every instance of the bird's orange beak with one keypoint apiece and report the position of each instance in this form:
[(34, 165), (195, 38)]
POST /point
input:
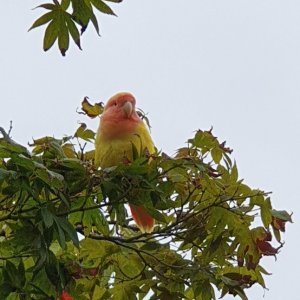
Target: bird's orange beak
[(128, 109)]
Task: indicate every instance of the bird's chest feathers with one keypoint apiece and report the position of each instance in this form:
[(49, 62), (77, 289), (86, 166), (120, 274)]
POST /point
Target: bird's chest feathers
[(114, 143), (118, 129), (117, 150)]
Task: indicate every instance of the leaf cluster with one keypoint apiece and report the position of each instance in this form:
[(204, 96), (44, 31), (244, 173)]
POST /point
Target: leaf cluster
[(70, 18), (212, 230)]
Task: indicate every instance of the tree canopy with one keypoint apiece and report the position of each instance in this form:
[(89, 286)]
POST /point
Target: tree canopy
[(65, 231)]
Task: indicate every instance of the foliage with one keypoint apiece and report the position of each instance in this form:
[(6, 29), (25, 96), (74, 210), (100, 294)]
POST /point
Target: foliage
[(212, 230), (66, 17)]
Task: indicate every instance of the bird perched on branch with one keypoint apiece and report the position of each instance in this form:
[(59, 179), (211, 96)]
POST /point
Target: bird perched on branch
[(120, 129)]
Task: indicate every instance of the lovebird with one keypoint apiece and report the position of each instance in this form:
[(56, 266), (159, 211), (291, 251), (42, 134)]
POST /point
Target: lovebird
[(120, 128)]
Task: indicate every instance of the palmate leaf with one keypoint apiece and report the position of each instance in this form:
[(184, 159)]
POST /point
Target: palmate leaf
[(92, 111), (59, 28), (63, 17), (84, 133)]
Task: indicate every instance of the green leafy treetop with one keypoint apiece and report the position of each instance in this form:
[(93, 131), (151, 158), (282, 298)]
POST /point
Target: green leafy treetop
[(212, 230)]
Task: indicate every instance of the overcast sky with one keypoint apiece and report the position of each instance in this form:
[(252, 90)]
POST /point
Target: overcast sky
[(230, 64)]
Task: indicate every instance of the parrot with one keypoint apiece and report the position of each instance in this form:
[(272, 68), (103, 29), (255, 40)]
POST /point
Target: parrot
[(120, 128)]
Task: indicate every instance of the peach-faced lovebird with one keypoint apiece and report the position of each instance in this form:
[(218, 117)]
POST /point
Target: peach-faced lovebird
[(120, 128)]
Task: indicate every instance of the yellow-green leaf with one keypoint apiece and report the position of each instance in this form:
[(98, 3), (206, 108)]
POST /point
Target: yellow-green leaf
[(91, 110), (46, 18), (51, 34), (63, 35), (101, 6)]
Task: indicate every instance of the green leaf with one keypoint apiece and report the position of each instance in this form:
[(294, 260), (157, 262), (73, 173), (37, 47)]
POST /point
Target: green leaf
[(282, 215), (84, 133), (47, 217), (91, 110), (151, 246), (95, 22), (68, 229), (81, 13), (101, 6), (65, 4), (95, 218), (51, 178), (44, 19), (216, 154), (60, 233), (125, 290), (23, 161), (234, 173), (10, 270), (52, 269), (48, 6), (21, 274), (73, 31), (277, 234), (7, 174), (266, 214), (43, 285), (260, 279), (13, 147), (5, 290), (63, 34), (156, 214), (93, 249), (241, 293), (15, 275), (51, 34)]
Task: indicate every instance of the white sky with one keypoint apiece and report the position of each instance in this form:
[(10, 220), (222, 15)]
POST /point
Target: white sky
[(232, 64)]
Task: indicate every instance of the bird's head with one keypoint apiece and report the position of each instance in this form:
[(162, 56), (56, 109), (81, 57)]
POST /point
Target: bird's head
[(121, 106), (119, 116)]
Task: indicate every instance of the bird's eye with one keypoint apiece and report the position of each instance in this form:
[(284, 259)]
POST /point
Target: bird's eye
[(115, 103)]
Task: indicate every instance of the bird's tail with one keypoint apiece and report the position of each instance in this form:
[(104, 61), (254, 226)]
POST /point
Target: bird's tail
[(142, 219)]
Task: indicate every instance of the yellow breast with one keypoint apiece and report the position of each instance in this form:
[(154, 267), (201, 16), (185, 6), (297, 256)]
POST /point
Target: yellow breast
[(111, 152)]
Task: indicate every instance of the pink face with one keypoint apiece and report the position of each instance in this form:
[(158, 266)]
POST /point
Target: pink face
[(119, 117), (121, 106)]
